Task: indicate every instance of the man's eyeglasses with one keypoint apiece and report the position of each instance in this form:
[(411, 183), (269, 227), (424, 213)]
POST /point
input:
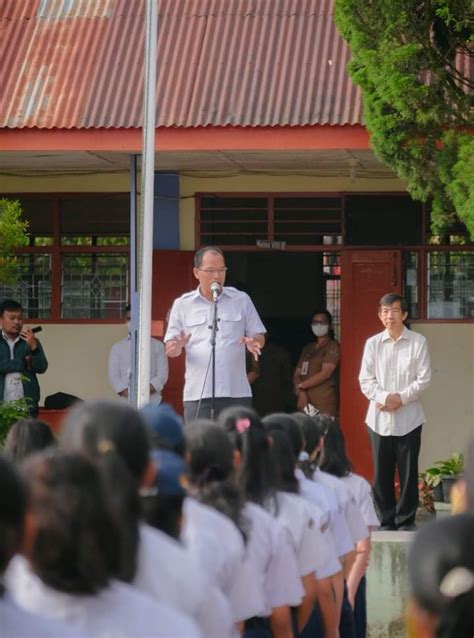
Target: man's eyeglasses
[(211, 271)]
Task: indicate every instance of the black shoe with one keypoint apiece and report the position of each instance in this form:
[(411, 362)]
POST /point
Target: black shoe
[(387, 528), (407, 528)]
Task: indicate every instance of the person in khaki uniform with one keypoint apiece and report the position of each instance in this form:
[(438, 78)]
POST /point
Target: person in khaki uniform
[(316, 378)]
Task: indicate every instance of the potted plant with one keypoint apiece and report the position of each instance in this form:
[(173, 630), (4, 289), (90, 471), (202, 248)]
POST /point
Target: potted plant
[(10, 413), (443, 474)]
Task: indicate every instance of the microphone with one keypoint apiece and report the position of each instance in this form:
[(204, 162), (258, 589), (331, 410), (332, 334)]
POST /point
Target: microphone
[(37, 329), (215, 290)]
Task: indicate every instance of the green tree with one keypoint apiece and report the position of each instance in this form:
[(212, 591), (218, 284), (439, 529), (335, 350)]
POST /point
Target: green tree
[(12, 235), (412, 60)]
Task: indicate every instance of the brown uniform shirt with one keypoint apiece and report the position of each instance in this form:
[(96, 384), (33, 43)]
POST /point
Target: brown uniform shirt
[(325, 396)]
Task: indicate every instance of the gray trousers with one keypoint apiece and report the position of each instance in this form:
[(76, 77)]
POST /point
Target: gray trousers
[(191, 407)]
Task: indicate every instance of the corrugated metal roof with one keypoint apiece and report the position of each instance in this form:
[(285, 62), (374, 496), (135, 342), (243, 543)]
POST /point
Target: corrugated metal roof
[(78, 64)]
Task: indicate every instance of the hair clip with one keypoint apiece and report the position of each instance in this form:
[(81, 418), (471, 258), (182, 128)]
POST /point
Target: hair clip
[(457, 581), (241, 425), (105, 445), (303, 456)]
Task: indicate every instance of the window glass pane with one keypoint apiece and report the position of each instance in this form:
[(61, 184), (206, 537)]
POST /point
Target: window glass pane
[(33, 290), (94, 286), (410, 283), (96, 215), (450, 285)]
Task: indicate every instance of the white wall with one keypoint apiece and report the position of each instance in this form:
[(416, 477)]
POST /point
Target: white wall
[(449, 401)]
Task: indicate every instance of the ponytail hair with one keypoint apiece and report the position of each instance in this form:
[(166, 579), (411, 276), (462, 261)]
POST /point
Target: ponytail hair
[(211, 469), (248, 436), (312, 433), (441, 573)]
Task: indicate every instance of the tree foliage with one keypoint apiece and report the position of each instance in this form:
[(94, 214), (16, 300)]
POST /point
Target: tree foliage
[(12, 235), (411, 59)]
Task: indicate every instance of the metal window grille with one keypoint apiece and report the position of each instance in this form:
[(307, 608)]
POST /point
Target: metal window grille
[(33, 288), (450, 276)]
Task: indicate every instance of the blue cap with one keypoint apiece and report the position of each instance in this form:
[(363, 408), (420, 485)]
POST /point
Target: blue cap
[(163, 421), (171, 473)]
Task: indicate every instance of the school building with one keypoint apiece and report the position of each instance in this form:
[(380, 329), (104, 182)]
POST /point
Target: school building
[(261, 149)]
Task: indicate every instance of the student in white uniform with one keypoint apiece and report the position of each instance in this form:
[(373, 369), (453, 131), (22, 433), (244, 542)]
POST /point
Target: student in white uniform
[(212, 538), (268, 552), (335, 461), (16, 622), (164, 569), (71, 551), (315, 550)]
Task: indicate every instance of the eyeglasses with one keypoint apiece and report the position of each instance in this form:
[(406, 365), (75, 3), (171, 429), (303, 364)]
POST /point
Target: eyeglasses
[(210, 271)]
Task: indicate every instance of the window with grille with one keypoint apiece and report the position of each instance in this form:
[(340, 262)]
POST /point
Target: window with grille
[(77, 263)]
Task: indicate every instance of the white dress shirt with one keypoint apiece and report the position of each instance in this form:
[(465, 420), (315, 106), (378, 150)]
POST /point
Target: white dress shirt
[(120, 367), (362, 492), (389, 367), (237, 317), (13, 388)]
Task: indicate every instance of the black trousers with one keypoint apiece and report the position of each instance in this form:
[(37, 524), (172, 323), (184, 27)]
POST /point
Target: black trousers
[(388, 453), (191, 412)]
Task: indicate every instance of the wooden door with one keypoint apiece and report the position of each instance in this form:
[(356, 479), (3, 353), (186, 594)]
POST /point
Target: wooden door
[(366, 275), (172, 276)]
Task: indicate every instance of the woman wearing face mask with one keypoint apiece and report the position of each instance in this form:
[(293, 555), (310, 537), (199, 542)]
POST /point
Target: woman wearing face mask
[(316, 378)]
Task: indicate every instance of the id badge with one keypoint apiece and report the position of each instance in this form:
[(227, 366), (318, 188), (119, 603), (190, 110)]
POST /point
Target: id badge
[(304, 368)]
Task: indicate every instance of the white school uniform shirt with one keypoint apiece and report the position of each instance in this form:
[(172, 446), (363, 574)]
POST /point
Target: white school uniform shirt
[(326, 499), (355, 522), (303, 521), (218, 546), (170, 574), (362, 492), (192, 314), (16, 622), (270, 570), (120, 366), (402, 366), (117, 611)]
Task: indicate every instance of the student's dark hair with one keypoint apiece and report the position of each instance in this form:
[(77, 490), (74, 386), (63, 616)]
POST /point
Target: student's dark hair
[(27, 436), (13, 498), (115, 437), (391, 298), (328, 315), (256, 472), (334, 459), (11, 305), (211, 468), (199, 254), (313, 430), (285, 441), (439, 548), (75, 549), (164, 512), (128, 308)]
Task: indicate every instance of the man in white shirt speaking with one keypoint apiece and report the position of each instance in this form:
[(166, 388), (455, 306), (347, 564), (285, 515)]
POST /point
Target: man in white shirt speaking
[(120, 365), (395, 371), (189, 329)]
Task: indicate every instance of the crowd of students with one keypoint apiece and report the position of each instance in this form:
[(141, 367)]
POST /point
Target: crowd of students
[(131, 525)]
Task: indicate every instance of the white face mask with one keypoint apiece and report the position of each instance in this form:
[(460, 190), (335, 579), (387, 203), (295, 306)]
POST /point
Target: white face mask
[(319, 330)]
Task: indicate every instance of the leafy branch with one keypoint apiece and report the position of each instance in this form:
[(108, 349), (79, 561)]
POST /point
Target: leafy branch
[(13, 235)]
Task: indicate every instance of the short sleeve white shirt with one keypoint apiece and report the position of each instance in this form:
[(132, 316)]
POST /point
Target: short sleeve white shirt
[(362, 492), (237, 317), (326, 499), (170, 574), (118, 611)]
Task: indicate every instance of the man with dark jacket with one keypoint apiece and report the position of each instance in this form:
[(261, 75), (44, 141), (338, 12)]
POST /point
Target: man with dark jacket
[(21, 357)]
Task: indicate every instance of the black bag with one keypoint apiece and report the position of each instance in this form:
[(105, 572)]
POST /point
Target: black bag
[(60, 401)]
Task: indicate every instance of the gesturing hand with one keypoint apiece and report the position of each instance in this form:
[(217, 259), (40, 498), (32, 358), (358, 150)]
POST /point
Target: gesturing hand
[(175, 346), (29, 336), (252, 345)]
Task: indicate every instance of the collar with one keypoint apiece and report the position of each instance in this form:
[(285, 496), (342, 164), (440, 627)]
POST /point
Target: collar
[(197, 294), (10, 340), (404, 335)]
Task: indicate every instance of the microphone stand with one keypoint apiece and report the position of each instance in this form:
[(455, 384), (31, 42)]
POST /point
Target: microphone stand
[(214, 329)]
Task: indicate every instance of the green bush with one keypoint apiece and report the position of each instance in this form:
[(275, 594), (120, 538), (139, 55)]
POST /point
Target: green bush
[(10, 413)]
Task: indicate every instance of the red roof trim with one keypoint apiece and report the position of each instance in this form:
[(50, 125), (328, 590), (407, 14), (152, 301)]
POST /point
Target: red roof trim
[(270, 138)]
